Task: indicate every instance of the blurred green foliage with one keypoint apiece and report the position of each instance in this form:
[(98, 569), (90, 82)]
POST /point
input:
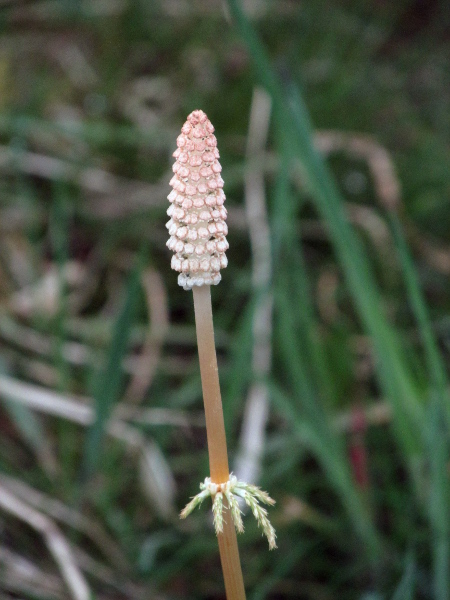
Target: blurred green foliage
[(92, 97)]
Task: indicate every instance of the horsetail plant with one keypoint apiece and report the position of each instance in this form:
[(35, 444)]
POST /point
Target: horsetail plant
[(198, 232)]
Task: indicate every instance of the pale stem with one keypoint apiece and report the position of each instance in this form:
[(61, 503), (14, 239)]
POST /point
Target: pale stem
[(217, 444), (215, 427)]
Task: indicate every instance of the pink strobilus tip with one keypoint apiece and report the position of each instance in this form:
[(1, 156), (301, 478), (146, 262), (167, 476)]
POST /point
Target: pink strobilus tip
[(197, 225)]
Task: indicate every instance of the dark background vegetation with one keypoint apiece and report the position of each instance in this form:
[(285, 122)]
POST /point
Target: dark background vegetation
[(102, 435)]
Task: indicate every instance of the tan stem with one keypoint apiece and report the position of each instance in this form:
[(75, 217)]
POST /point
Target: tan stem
[(217, 444), (215, 427)]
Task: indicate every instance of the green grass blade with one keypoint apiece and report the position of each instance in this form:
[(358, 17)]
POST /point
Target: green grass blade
[(406, 587), (439, 496), (109, 382), (394, 377), (434, 361), (293, 119), (289, 247), (294, 360), (59, 228), (31, 429), (238, 375), (283, 566), (439, 413), (329, 452), (59, 233)]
